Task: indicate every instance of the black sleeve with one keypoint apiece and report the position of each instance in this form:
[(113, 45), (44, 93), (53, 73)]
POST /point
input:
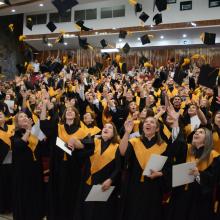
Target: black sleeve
[(142, 104), (117, 170), (4, 148)]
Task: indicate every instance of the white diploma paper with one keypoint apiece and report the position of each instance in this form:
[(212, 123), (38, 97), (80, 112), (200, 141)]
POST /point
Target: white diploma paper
[(181, 174), (36, 131), (97, 195), (10, 104), (62, 145), (155, 163)]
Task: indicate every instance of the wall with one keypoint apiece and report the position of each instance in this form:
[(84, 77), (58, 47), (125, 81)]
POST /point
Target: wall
[(10, 49), (200, 11)]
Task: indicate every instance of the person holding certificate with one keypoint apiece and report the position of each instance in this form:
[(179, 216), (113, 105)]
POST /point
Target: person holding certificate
[(143, 195), (65, 169), (27, 171), (102, 167), (6, 131), (194, 201)]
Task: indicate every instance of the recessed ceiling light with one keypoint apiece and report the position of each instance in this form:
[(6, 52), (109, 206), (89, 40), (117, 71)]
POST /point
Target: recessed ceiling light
[(13, 10), (151, 26), (184, 35), (49, 45), (41, 5), (139, 38), (2, 3), (193, 24), (120, 40), (161, 37), (65, 43), (113, 28)]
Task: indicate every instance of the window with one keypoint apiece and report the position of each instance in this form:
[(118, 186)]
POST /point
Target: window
[(56, 18), (113, 12), (38, 19), (106, 12), (185, 5), (214, 3), (88, 14), (119, 11)]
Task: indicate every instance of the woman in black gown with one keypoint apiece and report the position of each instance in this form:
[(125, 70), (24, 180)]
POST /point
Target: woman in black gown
[(65, 170), (195, 200), (143, 195), (102, 166), (27, 171), (6, 131)]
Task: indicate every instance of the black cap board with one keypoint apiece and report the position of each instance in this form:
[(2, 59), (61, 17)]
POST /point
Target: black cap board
[(29, 23), (208, 38), (158, 19), (51, 26), (122, 34), (142, 60), (64, 5), (143, 16), (126, 48), (80, 24), (138, 7), (161, 5), (145, 39), (103, 43), (83, 43)]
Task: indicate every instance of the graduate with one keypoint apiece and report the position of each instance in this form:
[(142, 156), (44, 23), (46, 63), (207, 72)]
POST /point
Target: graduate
[(195, 200), (216, 131), (102, 166), (27, 171), (6, 131), (143, 194), (65, 170)]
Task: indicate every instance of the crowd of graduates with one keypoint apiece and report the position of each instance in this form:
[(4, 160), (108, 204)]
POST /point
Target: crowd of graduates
[(113, 120)]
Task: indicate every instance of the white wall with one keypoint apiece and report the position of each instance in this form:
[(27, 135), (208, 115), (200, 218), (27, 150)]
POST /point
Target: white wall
[(200, 11)]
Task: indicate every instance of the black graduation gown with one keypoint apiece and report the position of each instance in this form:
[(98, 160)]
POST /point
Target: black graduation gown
[(27, 180), (99, 210), (195, 201), (5, 179), (65, 175), (143, 200)]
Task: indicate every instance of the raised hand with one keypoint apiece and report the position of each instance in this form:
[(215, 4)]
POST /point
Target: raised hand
[(129, 125), (106, 185)]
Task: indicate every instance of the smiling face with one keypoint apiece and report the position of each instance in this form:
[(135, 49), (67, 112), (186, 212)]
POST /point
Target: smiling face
[(177, 102), (132, 107), (199, 137), (70, 114), (89, 97), (217, 119), (192, 110), (22, 120), (87, 119), (150, 127), (107, 132)]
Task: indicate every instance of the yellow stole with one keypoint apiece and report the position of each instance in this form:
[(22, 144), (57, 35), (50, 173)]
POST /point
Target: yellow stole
[(32, 144), (98, 160), (216, 140), (89, 110), (166, 131), (5, 135), (79, 134), (173, 93), (143, 154), (188, 129), (204, 164)]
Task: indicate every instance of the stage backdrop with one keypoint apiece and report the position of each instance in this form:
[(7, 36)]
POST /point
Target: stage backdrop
[(157, 57)]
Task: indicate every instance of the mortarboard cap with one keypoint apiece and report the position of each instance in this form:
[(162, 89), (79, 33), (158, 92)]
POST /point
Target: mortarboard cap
[(60, 39), (157, 19), (138, 8), (105, 56), (7, 2), (64, 5), (45, 39), (207, 76), (83, 43), (44, 68), (51, 26), (103, 43), (145, 39), (80, 25), (161, 5), (56, 67), (208, 38), (29, 23), (157, 83), (123, 34), (179, 76), (142, 60), (126, 48), (143, 17)]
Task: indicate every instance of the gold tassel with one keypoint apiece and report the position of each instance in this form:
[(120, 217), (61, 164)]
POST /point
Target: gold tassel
[(89, 181)]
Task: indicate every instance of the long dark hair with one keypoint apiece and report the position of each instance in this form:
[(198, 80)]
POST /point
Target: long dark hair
[(76, 119)]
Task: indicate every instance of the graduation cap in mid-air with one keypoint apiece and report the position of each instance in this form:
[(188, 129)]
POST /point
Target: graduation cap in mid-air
[(138, 8), (145, 39), (208, 38), (122, 34), (103, 43), (81, 27), (83, 43), (60, 39), (126, 48), (29, 23), (64, 5), (161, 5), (143, 17), (158, 19), (142, 60), (51, 26)]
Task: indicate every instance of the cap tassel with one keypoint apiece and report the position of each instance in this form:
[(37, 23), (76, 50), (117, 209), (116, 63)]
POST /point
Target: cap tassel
[(11, 27)]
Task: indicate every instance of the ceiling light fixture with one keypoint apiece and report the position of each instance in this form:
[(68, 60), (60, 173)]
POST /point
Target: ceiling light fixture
[(184, 35), (112, 50), (41, 5), (65, 43), (13, 10), (139, 38), (120, 40), (161, 37), (193, 24), (2, 3), (151, 25)]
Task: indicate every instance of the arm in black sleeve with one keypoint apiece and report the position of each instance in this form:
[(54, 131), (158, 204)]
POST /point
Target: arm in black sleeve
[(115, 174), (4, 148)]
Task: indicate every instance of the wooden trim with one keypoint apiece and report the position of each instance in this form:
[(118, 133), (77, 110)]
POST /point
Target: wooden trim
[(181, 25)]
